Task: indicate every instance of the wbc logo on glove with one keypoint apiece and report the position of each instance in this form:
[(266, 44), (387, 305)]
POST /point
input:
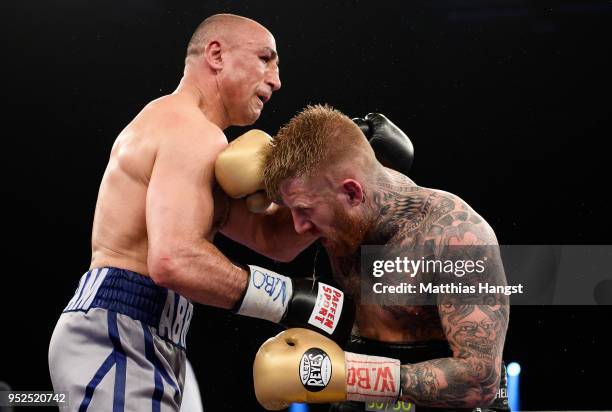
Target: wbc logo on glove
[(327, 309)]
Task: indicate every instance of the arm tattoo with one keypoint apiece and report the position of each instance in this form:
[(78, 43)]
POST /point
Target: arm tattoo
[(475, 326)]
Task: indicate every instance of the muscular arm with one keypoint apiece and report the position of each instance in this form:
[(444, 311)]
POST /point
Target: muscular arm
[(179, 215), (475, 325), (470, 378), (270, 234), (442, 226)]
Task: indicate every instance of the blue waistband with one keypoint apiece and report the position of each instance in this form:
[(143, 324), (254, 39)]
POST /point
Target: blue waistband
[(136, 296)]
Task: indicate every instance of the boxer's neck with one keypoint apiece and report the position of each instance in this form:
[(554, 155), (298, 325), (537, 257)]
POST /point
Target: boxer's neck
[(205, 92), (392, 200)]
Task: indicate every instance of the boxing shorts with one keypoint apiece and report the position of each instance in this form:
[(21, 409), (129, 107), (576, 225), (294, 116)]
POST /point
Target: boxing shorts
[(120, 344), (412, 353)]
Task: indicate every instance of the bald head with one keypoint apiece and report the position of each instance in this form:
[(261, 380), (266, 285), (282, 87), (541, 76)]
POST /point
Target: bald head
[(228, 28)]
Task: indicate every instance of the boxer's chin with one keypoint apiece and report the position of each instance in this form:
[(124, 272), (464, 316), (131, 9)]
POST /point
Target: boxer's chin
[(340, 248), (248, 116), (335, 247), (256, 109), (251, 118), (349, 234)]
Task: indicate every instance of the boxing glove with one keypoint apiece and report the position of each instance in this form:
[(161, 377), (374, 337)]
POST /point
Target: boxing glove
[(239, 169), (299, 365), (306, 303), (392, 147)]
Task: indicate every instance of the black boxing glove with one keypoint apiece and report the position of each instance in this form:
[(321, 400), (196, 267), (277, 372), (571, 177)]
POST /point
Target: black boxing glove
[(304, 303), (392, 147)]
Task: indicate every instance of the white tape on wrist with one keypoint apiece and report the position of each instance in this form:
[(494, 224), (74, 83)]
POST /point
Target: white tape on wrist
[(267, 295), (372, 378)]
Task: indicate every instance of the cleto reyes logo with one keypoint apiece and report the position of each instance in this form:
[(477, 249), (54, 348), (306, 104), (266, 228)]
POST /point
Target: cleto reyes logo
[(326, 312), (377, 379), (315, 369)]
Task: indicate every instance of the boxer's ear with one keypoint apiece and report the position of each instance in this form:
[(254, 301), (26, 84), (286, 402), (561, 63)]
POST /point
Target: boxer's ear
[(212, 54), (353, 191)]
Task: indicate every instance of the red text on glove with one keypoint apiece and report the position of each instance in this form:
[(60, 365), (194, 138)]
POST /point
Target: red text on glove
[(327, 309), (371, 378)]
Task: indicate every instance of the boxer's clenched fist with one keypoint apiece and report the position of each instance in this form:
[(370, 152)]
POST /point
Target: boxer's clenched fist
[(298, 303), (300, 365), (239, 168), (392, 147)]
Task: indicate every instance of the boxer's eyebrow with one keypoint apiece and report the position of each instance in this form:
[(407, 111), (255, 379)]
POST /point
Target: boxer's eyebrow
[(302, 206), (273, 54)]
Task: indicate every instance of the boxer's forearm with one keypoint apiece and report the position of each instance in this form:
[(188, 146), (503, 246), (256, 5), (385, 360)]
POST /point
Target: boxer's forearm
[(201, 273), (270, 234), (449, 382), (284, 242)]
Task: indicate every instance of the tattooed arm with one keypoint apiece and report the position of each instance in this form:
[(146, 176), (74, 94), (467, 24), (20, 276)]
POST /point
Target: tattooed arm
[(474, 324)]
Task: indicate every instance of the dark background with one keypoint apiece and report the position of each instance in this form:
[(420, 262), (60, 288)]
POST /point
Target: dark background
[(507, 103)]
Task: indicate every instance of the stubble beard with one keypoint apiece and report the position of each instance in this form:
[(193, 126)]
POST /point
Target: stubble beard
[(349, 235)]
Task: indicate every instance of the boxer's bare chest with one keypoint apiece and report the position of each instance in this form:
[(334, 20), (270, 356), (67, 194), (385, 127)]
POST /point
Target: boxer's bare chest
[(389, 323)]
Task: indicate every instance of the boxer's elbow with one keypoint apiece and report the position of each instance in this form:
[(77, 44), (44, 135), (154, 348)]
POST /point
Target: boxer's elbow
[(163, 268), (486, 399), (487, 389), (477, 396), (480, 389)]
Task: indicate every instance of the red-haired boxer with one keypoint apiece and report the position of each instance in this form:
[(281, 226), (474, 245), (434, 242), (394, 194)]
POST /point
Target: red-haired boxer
[(444, 354)]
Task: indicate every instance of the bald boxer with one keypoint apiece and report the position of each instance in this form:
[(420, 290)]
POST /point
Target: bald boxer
[(445, 355), (120, 342)]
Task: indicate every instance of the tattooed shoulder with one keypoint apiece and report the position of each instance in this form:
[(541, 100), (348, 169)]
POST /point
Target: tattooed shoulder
[(435, 218)]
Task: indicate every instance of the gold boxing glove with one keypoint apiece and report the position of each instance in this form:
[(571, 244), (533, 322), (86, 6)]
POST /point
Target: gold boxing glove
[(239, 168), (299, 365)]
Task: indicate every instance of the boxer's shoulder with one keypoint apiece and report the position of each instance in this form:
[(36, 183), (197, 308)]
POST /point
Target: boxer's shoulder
[(173, 129), (175, 118), (449, 209), (441, 217)]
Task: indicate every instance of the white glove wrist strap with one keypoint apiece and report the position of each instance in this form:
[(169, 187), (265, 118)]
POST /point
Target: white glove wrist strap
[(267, 295), (372, 378)]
